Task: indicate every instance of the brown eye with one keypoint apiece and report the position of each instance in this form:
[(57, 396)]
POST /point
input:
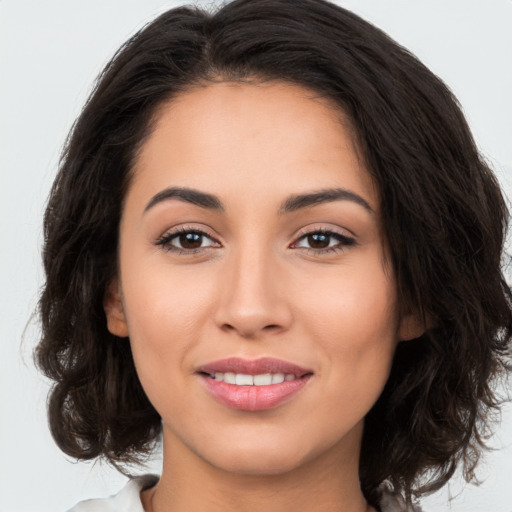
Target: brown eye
[(186, 240), (190, 240), (319, 240), (324, 241)]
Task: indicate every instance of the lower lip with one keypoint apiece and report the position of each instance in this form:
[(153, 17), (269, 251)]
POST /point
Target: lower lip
[(254, 398)]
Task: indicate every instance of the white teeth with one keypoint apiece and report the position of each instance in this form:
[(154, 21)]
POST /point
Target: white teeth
[(263, 380), (230, 378), (277, 378), (242, 379)]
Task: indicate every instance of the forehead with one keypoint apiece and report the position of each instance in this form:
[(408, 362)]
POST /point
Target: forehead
[(267, 138)]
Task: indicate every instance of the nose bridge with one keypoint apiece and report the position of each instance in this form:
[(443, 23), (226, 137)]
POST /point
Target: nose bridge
[(252, 298)]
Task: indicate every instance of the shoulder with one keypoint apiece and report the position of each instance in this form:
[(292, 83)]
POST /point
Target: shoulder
[(127, 500)]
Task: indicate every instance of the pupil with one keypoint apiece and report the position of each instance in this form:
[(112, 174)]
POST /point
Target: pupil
[(191, 240), (319, 241)]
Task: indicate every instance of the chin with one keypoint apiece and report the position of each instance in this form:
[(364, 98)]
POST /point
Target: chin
[(255, 459), (266, 465)]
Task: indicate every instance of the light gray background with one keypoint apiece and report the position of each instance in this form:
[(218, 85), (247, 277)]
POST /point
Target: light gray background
[(51, 52)]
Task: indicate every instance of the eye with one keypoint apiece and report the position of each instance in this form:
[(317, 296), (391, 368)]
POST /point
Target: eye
[(186, 241), (321, 241)]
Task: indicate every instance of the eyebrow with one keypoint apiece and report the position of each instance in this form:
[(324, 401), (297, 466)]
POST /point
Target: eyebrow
[(291, 204), (297, 202), (187, 195)]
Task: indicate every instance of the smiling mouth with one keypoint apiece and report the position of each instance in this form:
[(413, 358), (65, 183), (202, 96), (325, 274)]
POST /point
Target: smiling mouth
[(243, 379), (253, 385)]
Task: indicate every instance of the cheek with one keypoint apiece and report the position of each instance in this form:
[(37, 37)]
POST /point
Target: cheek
[(165, 314), (356, 302), (354, 320), (162, 299)]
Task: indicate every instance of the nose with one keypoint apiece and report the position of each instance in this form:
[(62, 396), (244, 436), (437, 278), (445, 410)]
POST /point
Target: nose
[(252, 299)]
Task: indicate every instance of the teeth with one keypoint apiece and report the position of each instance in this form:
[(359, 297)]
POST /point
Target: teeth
[(277, 378), (230, 378), (242, 379), (263, 380)]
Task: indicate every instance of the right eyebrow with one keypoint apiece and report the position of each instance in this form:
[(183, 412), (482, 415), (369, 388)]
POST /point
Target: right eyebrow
[(297, 202), (188, 195)]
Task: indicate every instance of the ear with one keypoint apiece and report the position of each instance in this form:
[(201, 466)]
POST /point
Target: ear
[(411, 326), (114, 310)]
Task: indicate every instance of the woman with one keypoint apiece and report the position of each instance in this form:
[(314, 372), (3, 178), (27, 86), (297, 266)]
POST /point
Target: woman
[(272, 241)]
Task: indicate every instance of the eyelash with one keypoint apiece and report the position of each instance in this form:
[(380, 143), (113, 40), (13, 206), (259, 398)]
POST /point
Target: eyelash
[(165, 241), (344, 241)]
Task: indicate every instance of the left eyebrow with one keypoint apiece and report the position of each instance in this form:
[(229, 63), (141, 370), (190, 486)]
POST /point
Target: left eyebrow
[(187, 195), (297, 202)]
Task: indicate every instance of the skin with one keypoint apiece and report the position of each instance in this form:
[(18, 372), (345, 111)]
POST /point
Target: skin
[(256, 286)]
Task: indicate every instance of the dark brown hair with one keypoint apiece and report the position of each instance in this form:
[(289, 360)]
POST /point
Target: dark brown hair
[(442, 211)]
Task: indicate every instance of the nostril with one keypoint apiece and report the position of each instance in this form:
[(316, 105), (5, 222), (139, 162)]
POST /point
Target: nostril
[(250, 331)]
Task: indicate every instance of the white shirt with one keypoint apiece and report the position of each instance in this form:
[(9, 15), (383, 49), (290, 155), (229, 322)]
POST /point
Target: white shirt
[(128, 499)]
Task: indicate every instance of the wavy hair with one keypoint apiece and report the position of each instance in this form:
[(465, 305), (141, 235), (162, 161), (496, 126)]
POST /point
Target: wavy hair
[(443, 216)]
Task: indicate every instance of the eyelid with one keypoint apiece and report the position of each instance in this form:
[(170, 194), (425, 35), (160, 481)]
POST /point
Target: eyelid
[(345, 240), (172, 233), (324, 228)]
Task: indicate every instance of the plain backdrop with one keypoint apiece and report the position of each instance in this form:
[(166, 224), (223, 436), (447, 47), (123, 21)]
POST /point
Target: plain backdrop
[(51, 52)]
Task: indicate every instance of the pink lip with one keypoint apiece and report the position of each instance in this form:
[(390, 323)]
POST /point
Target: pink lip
[(253, 398), (255, 367)]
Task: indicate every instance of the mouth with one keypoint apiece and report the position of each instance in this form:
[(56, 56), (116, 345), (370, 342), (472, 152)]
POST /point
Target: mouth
[(244, 379), (253, 385)]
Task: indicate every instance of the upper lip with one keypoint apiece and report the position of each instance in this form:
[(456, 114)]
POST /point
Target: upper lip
[(253, 367)]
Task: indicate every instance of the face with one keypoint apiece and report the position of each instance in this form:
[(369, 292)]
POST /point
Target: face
[(253, 282)]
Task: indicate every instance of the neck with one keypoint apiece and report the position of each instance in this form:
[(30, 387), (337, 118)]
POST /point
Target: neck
[(328, 482)]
